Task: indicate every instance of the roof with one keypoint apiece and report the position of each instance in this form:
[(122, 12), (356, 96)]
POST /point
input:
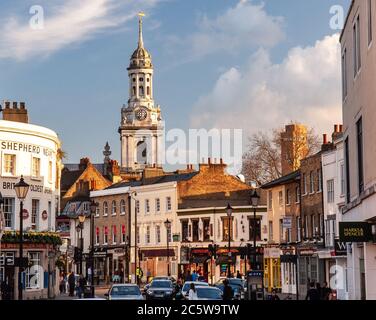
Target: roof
[(76, 167), (291, 177), (68, 178), (155, 180)]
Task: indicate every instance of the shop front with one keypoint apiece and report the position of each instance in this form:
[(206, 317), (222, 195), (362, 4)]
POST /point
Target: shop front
[(272, 268)]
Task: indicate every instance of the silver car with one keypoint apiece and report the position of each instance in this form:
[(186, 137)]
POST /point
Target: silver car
[(209, 293), (124, 292), (187, 286)]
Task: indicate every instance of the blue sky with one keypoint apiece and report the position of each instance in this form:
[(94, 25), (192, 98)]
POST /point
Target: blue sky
[(73, 76)]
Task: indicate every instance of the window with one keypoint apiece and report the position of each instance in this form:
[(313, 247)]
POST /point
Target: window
[(311, 182), (227, 228), (141, 79), (141, 90), (123, 234), (280, 198), (254, 228), (169, 235), (35, 168), (281, 232), (297, 194), (122, 207), (10, 164), (359, 137), (113, 210), (356, 46), (206, 225), (168, 204), (147, 235), (270, 200), (313, 225), (137, 206), (304, 183), (370, 22), (105, 235), (330, 187), (196, 233), (8, 210), (342, 176), (50, 171), (138, 235), (288, 197), (184, 230), (34, 214), (105, 209), (148, 90), (158, 234), (97, 211), (306, 226), (147, 206), (347, 164), (158, 205), (97, 236), (270, 230), (33, 272), (114, 234), (344, 74), (319, 180), (298, 229), (134, 91)]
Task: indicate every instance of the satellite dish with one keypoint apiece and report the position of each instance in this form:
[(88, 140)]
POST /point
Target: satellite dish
[(241, 178)]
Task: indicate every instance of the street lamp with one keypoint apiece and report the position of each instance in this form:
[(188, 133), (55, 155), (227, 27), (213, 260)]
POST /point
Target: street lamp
[(93, 210), (254, 201), (81, 220), (229, 214), (21, 188), (167, 224)]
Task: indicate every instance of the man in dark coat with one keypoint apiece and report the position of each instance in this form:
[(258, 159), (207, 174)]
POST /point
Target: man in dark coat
[(72, 283), (312, 293), (228, 293)]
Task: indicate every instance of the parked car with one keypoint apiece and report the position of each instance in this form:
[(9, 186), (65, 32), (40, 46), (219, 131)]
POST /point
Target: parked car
[(209, 293), (160, 289), (124, 292), (187, 285)]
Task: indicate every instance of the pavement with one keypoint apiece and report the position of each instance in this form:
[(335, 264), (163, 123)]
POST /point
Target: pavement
[(99, 292)]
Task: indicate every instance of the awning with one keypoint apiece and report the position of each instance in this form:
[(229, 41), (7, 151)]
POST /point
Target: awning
[(158, 253), (224, 260), (200, 259)]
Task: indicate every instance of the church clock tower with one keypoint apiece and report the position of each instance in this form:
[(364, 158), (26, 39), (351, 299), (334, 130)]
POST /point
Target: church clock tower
[(141, 123)]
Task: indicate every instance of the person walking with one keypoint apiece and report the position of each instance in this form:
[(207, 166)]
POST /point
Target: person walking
[(188, 276), (325, 291), (194, 276), (72, 283), (274, 296), (192, 295), (312, 293), (81, 286), (238, 275), (228, 293)]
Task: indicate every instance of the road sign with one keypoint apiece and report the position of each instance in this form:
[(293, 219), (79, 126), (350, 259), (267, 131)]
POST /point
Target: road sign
[(287, 222)]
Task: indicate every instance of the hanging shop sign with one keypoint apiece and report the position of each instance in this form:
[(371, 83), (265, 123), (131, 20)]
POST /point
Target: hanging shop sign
[(340, 248), (355, 232)]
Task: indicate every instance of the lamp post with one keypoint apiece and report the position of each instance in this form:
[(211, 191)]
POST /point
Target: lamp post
[(167, 224), (81, 219), (254, 201), (93, 209), (21, 188), (229, 214)]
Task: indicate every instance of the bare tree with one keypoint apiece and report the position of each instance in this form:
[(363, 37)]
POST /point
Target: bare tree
[(262, 160)]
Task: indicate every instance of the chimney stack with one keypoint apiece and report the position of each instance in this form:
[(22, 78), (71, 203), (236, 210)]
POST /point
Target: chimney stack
[(14, 113), (325, 139), (336, 128)]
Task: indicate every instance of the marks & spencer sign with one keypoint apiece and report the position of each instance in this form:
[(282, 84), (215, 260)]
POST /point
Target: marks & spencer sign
[(355, 232)]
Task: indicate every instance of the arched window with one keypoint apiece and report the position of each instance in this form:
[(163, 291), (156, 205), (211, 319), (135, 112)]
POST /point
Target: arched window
[(134, 91), (141, 90), (122, 206), (148, 91), (113, 210), (105, 209)]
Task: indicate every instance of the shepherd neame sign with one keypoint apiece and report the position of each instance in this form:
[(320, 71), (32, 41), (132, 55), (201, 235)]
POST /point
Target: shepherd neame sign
[(355, 232), (24, 147)]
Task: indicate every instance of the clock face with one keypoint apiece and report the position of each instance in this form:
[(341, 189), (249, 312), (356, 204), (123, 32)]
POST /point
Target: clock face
[(141, 114)]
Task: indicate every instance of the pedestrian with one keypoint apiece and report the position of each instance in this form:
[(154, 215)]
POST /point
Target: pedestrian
[(188, 276), (319, 290), (325, 291), (72, 283), (238, 275), (192, 295), (228, 293), (62, 284), (312, 293), (194, 275), (274, 296), (4, 290), (81, 286)]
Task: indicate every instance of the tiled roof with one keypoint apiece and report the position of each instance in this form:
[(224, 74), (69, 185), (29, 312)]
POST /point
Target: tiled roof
[(283, 180)]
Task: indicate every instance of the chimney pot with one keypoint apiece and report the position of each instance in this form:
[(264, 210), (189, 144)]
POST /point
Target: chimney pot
[(336, 128), (221, 161), (209, 161), (7, 104), (340, 128), (14, 105), (325, 138), (22, 105)]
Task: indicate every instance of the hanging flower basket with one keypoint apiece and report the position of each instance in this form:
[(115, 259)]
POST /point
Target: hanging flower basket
[(32, 237)]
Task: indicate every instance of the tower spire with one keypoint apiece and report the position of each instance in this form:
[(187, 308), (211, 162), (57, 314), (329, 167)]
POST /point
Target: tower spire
[(140, 38)]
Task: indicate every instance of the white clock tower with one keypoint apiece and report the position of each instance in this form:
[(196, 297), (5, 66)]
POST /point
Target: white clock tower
[(141, 123)]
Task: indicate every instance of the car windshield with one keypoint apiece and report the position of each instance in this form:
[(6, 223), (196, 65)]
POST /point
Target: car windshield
[(125, 291), (234, 287), (161, 284), (238, 282), (208, 293), (187, 285)]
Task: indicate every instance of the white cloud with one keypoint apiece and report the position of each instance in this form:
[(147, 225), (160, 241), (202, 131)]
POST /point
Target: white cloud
[(65, 25), (244, 26), (305, 87)]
